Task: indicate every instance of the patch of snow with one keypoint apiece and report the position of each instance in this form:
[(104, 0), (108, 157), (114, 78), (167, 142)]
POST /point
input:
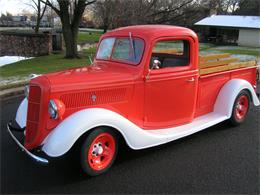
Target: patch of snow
[(86, 46), (5, 60)]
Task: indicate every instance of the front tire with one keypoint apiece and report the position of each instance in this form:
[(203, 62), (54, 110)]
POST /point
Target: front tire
[(240, 108), (99, 151)]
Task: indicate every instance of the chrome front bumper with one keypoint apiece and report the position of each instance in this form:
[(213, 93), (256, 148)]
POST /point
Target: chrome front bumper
[(30, 154)]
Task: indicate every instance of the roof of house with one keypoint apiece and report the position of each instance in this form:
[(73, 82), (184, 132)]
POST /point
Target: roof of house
[(231, 21)]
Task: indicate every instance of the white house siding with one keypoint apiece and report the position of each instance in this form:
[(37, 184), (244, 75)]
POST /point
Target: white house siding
[(249, 37)]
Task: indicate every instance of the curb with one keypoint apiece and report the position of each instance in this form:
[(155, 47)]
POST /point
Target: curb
[(11, 93)]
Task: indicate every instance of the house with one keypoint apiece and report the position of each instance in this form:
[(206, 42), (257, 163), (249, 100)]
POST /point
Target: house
[(19, 18), (242, 30)]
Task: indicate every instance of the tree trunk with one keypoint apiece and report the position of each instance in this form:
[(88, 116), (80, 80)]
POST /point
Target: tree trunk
[(37, 27), (105, 27), (70, 22), (70, 35), (38, 19)]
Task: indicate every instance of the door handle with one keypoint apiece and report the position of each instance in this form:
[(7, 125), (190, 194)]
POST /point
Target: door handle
[(191, 79)]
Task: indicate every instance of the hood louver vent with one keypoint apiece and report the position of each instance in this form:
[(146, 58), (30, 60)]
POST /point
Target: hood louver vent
[(83, 99)]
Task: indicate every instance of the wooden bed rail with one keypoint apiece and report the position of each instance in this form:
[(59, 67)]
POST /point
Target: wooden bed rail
[(213, 63)]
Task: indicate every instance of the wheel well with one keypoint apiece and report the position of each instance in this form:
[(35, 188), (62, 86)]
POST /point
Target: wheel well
[(249, 93), (81, 139)]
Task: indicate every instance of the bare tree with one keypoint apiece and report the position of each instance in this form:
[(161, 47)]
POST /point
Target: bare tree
[(40, 9), (117, 13), (170, 10), (104, 10), (70, 13), (248, 7), (230, 6)]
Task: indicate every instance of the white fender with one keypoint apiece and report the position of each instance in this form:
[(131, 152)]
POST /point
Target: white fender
[(21, 114), (66, 133), (229, 92)]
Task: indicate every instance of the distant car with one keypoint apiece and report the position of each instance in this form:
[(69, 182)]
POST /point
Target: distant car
[(147, 85)]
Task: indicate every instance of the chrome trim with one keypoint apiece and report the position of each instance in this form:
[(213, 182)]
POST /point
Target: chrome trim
[(26, 91), (52, 105), (34, 157)]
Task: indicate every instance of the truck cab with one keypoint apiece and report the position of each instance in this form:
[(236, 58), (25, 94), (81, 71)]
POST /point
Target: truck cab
[(147, 85)]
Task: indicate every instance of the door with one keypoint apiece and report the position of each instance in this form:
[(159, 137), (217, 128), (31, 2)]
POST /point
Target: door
[(170, 87)]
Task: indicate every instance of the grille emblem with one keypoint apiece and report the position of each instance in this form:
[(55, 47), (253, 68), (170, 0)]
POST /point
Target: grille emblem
[(93, 97)]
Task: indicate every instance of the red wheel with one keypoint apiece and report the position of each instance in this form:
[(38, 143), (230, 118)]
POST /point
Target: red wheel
[(99, 151), (240, 108)]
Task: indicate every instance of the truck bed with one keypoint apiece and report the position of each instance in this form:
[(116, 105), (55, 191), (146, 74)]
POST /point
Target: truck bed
[(214, 63), (215, 71)]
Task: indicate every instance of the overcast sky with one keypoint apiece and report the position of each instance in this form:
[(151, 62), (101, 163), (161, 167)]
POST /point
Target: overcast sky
[(14, 6)]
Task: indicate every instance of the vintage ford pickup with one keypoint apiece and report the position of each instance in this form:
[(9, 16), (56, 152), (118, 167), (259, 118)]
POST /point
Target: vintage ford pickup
[(147, 85)]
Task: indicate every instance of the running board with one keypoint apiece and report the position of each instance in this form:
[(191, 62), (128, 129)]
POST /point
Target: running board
[(161, 136), (196, 125)]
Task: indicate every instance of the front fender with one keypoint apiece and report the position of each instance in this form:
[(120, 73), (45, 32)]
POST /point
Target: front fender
[(21, 114), (62, 138), (229, 92)]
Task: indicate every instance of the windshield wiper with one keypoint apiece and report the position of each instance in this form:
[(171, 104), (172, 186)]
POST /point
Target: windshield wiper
[(132, 44)]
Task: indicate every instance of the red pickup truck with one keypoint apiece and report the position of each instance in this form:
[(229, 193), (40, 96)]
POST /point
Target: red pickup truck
[(147, 85)]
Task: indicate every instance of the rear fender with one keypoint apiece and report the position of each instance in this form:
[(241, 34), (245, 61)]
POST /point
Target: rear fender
[(229, 92)]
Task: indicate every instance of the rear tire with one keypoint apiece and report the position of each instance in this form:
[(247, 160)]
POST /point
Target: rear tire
[(99, 151), (240, 108)]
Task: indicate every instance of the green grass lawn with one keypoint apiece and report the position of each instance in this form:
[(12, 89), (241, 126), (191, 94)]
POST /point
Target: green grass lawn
[(205, 46), (45, 64), (90, 37), (241, 52)]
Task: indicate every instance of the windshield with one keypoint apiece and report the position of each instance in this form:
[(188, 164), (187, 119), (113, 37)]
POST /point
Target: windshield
[(121, 49)]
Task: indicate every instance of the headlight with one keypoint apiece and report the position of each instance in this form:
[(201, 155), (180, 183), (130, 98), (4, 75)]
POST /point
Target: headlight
[(53, 110), (56, 109), (26, 91)]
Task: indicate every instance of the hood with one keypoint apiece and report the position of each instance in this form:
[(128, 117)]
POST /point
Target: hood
[(91, 76)]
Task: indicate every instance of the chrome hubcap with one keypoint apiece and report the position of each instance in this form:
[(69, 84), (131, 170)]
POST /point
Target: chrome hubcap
[(97, 149), (239, 106)]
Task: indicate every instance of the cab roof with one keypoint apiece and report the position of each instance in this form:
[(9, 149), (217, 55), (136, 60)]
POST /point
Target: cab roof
[(152, 31)]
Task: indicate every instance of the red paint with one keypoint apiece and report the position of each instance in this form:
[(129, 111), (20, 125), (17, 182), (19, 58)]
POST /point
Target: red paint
[(241, 107), (169, 97), (210, 85), (101, 151)]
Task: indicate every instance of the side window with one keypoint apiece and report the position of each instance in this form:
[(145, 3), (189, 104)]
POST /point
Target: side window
[(173, 53)]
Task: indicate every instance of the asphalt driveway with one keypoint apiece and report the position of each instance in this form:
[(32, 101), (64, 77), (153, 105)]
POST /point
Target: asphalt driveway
[(221, 159)]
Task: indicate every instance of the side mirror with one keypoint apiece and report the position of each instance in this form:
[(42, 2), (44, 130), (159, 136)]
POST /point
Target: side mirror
[(156, 64)]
